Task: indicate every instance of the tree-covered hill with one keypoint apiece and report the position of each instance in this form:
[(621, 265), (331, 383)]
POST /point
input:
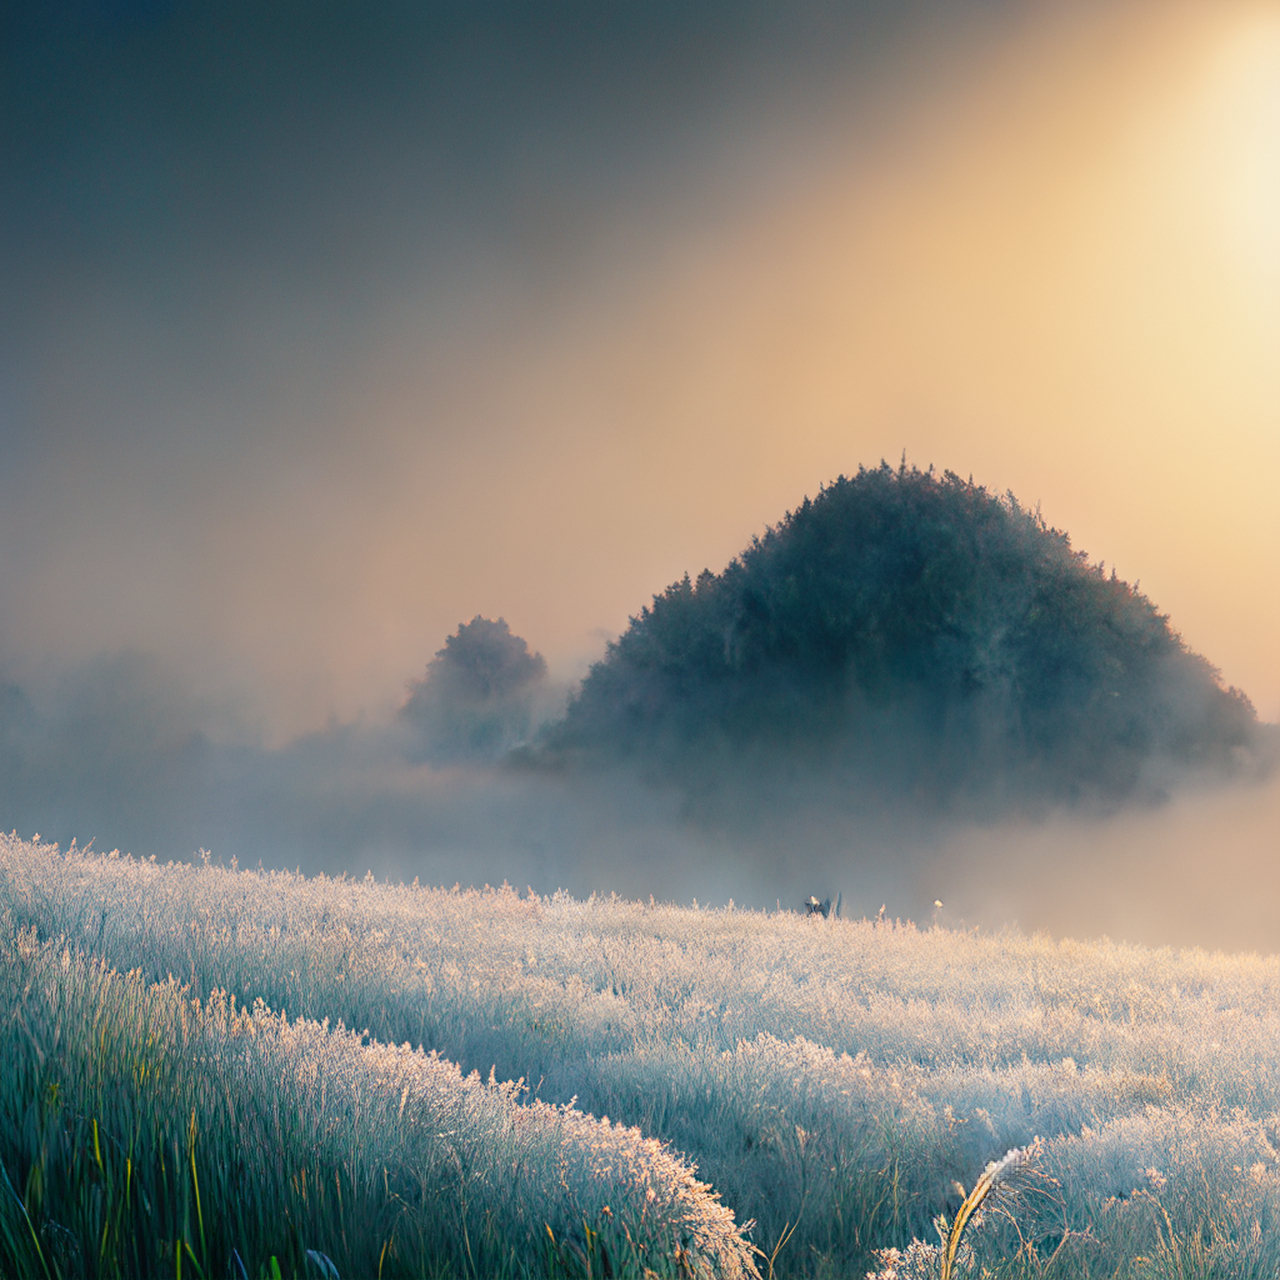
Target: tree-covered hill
[(913, 637)]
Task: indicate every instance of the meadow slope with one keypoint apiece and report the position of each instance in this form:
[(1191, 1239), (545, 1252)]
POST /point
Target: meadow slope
[(204, 1067)]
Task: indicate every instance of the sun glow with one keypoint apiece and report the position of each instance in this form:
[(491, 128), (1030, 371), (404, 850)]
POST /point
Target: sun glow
[(1243, 110), (1044, 252), (1211, 158)]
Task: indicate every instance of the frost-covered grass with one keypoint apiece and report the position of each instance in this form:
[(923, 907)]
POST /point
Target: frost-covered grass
[(832, 1080)]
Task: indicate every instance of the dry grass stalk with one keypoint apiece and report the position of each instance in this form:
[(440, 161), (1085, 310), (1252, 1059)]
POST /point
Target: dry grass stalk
[(997, 1174)]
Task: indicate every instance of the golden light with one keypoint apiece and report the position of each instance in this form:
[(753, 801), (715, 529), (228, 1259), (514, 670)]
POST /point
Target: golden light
[(1243, 115)]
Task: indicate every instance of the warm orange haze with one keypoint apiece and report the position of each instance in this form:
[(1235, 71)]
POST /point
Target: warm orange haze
[(1043, 252), (1040, 247)]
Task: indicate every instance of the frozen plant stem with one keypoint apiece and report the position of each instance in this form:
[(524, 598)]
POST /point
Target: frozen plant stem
[(997, 1172)]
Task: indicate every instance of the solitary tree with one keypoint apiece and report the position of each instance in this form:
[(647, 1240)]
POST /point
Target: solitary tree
[(476, 699)]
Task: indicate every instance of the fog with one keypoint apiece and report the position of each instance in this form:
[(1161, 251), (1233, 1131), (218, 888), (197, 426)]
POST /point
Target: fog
[(118, 756), (323, 333), (1200, 870)]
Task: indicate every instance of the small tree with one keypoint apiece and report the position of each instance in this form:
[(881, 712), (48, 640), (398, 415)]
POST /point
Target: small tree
[(476, 699)]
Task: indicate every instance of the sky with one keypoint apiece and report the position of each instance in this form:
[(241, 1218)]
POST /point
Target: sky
[(326, 327)]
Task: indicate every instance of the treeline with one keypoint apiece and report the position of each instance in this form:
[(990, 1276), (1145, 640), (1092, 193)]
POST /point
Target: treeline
[(908, 635)]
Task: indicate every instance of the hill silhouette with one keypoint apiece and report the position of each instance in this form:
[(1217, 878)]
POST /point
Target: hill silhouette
[(912, 638)]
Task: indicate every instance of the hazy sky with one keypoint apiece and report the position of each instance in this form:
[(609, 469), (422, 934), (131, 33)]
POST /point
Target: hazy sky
[(326, 327)]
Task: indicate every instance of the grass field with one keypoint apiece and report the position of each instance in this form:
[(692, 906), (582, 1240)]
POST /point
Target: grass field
[(213, 1072)]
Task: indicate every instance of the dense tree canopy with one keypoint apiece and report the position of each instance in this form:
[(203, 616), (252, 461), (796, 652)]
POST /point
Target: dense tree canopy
[(909, 634)]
